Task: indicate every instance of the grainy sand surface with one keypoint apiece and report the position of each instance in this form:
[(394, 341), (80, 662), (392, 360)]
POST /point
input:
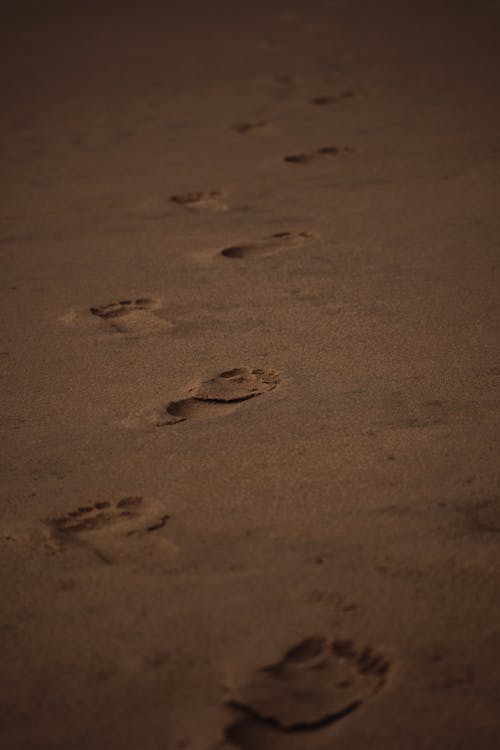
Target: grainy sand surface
[(250, 361)]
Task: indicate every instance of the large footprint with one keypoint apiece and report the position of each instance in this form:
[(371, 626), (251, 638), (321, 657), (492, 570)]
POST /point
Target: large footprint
[(267, 245), (101, 525), (316, 683), (220, 395)]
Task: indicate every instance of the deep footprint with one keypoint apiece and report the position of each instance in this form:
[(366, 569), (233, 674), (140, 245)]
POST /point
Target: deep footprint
[(316, 683), (220, 395), (267, 246), (307, 157)]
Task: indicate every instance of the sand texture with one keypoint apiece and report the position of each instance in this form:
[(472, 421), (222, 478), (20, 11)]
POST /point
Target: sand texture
[(250, 320)]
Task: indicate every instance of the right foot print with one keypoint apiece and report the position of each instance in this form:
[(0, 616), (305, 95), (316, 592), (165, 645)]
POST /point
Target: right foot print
[(307, 157), (267, 246), (220, 395)]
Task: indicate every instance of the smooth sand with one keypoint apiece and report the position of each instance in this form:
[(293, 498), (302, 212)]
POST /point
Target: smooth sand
[(250, 362)]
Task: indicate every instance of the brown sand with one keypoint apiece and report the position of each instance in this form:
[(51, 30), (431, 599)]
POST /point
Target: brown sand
[(250, 359)]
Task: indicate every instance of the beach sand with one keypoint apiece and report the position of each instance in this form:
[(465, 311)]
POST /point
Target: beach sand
[(250, 361)]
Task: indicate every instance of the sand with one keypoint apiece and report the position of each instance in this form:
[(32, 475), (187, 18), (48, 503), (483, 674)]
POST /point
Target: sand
[(250, 362)]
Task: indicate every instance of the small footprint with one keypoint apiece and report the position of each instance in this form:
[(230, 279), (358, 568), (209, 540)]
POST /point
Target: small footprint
[(267, 246), (322, 101), (259, 128), (90, 525), (211, 200), (132, 316), (308, 157), (316, 683), (220, 395)]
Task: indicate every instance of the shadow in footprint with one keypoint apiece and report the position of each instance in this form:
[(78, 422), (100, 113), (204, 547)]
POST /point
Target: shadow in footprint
[(220, 395), (307, 157), (267, 246), (315, 684)]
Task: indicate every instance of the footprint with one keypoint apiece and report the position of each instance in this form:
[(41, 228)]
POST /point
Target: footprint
[(124, 307), (220, 395), (322, 101), (210, 200), (258, 128), (132, 316), (94, 525), (267, 246), (305, 158), (315, 684)]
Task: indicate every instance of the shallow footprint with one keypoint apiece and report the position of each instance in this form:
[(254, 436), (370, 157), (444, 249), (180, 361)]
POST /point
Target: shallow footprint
[(210, 200), (95, 526), (124, 307), (267, 246), (307, 157), (322, 101), (316, 683), (220, 395), (132, 316), (255, 128)]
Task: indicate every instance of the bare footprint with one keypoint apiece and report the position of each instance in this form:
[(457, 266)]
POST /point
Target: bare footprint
[(132, 316), (315, 684), (267, 246), (220, 395), (210, 200), (97, 526), (322, 101), (255, 128), (307, 157)]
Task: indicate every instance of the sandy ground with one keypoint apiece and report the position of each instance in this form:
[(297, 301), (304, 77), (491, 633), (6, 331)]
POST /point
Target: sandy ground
[(250, 363)]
